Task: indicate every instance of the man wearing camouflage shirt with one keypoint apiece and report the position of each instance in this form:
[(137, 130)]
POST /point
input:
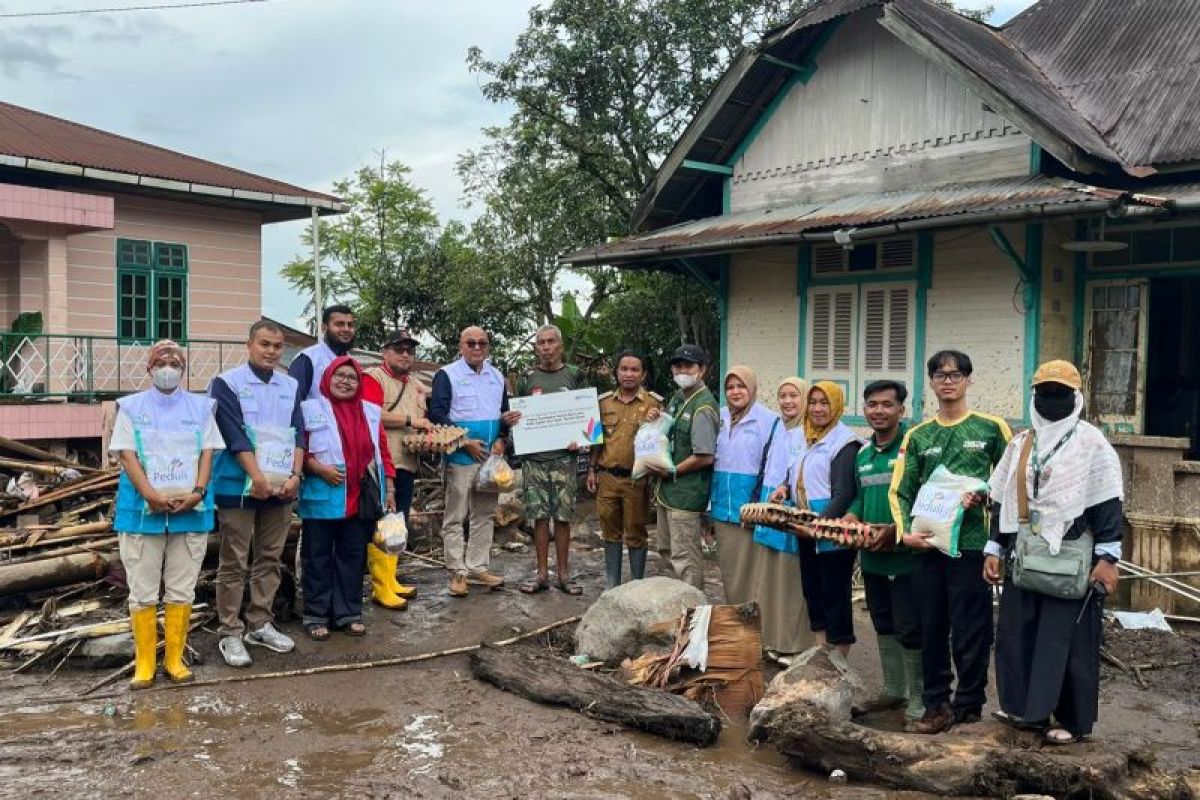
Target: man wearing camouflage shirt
[(550, 478)]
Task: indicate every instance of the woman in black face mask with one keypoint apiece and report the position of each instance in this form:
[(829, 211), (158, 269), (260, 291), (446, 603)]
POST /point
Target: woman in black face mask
[(1056, 525)]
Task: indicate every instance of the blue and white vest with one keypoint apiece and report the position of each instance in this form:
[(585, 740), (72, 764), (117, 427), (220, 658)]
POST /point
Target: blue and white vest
[(318, 499), (261, 404), (786, 450), (475, 399), (815, 465), (178, 411), (739, 457), (321, 357)]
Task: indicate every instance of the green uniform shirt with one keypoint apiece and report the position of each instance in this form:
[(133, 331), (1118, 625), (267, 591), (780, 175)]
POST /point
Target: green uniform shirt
[(873, 478), (971, 446), (538, 381)]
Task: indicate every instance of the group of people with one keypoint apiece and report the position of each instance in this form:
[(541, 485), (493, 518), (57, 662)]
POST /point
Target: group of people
[(327, 437)]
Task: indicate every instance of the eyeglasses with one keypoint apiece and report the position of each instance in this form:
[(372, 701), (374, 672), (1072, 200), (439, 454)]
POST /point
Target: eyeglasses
[(479, 343), (405, 350), (954, 377), (345, 378)]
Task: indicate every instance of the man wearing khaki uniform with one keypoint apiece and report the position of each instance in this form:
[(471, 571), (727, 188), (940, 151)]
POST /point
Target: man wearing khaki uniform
[(403, 399), (622, 503)]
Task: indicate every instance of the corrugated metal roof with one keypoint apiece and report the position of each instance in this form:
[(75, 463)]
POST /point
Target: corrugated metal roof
[(1131, 68), (730, 231), (31, 134)]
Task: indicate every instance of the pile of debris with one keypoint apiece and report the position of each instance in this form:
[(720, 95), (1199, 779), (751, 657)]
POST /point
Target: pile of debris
[(55, 520)]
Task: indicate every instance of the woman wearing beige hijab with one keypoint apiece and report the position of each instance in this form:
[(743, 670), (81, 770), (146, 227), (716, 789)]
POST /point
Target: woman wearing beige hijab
[(747, 430), (781, 594)]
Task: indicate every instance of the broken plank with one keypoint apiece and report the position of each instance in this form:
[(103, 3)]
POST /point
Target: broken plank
[(543, 678)]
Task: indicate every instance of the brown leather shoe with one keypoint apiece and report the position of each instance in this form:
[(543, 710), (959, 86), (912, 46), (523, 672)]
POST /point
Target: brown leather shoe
[(458, 585), (481, 577), (936, 720)]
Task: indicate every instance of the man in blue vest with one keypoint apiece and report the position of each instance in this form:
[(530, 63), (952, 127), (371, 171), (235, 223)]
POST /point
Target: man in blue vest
[(337, 339), (255, 480), (471, 394)]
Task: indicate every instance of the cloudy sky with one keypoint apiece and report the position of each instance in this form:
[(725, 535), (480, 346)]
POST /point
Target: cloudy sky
[(300, 90)]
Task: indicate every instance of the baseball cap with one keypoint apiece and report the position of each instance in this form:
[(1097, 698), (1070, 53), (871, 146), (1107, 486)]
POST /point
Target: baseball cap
[(1063, 372), (401, 336), (690, 353)]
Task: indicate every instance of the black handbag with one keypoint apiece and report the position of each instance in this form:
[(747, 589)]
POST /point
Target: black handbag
[(370, 506)]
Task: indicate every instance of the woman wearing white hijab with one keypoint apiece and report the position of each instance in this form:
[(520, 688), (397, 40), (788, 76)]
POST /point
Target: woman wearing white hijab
[(1047, 647)]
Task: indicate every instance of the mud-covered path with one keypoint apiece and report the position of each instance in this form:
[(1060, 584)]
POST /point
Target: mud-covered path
[(421, 730)]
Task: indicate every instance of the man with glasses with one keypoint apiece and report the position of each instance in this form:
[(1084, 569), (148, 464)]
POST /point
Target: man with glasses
[(953, 600), (471, 394), (403, 399)]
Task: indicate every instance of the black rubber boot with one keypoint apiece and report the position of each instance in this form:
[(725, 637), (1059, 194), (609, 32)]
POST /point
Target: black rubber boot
[(637, 562), (612, 564)]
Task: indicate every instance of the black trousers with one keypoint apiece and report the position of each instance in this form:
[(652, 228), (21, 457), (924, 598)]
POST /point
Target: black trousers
[(825, 579), (333, 555), (955, 608), (892, 608), (810, 584), (404, 482)]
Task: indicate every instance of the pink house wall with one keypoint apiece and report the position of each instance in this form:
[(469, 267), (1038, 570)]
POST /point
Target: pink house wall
[(224, 265), (51, 421)]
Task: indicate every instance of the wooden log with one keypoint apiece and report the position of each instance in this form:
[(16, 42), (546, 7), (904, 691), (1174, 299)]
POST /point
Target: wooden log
[(35, 467), (43, 555), (99, 483), (29, 451), (51, 572), (996, 761), (542, 678)]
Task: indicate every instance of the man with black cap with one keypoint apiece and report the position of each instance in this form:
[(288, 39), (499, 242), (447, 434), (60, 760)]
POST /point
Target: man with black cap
[(682, 493), (404, 400)]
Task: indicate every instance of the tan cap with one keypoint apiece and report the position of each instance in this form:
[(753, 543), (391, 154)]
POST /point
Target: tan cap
[(1063, 372)]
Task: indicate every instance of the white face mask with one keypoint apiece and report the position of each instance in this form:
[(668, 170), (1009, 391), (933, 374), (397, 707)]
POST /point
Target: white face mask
[(686, 380), (167, 379)]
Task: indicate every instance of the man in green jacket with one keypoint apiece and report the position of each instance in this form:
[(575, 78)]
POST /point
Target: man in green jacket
[(887, 567), (682, 493), (954, 601)]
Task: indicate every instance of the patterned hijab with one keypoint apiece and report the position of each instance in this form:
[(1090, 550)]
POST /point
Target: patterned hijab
[(837, 405)]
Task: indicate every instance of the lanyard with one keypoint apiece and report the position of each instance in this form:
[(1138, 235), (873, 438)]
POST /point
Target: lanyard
[(1039, 463)]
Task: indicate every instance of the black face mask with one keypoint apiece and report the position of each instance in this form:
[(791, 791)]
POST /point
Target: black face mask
[(1054, 407)]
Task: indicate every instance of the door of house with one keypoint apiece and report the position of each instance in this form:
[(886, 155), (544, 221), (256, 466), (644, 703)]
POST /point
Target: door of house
[(1115, 335)]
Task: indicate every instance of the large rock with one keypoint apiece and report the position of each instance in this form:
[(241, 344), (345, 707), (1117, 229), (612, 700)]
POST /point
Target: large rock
[(621, 623), (106, 652), (817, 677)]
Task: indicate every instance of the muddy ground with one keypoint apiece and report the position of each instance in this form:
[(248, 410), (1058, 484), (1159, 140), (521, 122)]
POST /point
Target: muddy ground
[(429, 730)]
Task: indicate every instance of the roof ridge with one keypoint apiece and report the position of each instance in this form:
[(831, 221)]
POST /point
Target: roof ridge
[(176, 153)]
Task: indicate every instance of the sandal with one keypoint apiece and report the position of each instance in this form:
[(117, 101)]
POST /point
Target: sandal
[(538, 584), (1061, 736), (354, 629), (569, 586), (317, 632)]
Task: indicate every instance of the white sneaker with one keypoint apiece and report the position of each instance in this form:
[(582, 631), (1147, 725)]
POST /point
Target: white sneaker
[(269, 637), (234, 652)]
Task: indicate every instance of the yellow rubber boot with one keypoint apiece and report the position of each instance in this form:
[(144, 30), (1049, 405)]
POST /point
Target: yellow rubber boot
[(177, 617), (144, 622), (378, 564), (407, 592)]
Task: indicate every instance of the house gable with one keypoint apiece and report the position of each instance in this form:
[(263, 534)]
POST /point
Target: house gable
[(876, 116)]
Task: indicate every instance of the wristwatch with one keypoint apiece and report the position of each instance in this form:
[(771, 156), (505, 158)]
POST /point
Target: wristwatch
[(200, 490)]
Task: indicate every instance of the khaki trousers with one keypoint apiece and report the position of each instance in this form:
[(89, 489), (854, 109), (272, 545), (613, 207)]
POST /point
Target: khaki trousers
[(623, 504), (682, 530), (167, 561), (260, 533), (464, 503)]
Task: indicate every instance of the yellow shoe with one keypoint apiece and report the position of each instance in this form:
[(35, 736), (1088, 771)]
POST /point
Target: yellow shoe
[(379, 565), (177, 618), (400, 590), (144, 623)]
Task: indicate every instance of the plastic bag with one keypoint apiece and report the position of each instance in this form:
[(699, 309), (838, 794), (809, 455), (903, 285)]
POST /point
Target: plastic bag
[(391, 534), (274, 449), (938, 509), (652, 447), (496, 475)]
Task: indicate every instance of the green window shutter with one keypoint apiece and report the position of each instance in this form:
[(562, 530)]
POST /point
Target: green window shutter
[(170, 257), (171, 306), (133, 304), (135, 254)]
